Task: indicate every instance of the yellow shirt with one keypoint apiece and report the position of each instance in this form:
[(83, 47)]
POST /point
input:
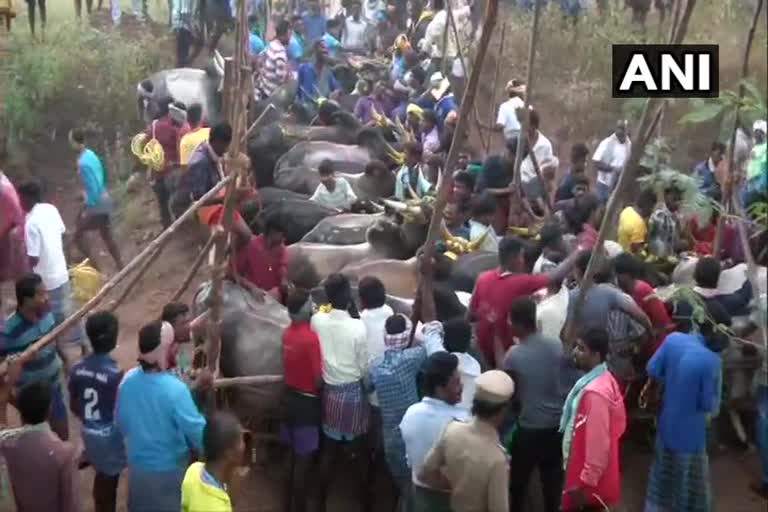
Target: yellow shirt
[(198, 495), (188, 144), (632, 228)]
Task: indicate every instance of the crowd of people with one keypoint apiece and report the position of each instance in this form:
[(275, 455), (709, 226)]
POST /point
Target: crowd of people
[(461, 404)]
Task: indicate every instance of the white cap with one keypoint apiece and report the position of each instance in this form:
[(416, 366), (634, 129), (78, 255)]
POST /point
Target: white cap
[(436, 78), (760, 125)]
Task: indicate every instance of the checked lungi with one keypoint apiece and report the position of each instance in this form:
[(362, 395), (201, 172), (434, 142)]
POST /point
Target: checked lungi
[(679, 482), (346, 412)]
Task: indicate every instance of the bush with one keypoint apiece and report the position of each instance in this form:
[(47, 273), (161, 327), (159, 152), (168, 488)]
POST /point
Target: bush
[(80, 76)]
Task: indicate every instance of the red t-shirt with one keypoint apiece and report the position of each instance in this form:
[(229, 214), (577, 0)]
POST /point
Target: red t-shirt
[(168, 134), (302, 362), (646, 298), (494, 294), (263, 267)]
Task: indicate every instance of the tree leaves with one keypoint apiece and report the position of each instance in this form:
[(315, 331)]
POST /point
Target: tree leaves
[(708, 111)]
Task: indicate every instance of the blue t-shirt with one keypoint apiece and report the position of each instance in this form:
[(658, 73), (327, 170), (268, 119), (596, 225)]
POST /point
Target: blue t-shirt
[(310, 85), (314, 26), (295, 48), (444, 107), (159, 421), (690, 373), (94, 382), (93, 177), (256, 44)]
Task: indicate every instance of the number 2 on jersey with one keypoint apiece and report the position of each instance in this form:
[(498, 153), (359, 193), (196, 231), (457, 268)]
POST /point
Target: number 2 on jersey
[(91, 403)]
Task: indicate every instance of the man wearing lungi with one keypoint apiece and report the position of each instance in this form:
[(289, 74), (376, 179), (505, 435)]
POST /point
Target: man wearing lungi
[(344, 345)]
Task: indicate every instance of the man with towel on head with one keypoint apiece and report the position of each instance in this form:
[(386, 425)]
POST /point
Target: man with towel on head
[(160, 424), (468, 461)]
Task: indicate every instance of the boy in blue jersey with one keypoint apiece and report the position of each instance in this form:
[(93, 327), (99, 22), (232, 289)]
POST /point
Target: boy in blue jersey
[(93, 385), (31, 321), (97, 203)]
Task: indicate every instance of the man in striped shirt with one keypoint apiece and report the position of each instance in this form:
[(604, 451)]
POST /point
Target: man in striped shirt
[(275, 72), (31, 321)]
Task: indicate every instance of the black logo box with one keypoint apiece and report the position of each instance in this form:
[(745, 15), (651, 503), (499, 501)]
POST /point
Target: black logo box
[(623, 54)]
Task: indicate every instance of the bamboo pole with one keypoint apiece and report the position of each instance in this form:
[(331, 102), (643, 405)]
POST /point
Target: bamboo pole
[(459, 135), (526, 109), (254, 380), (489, 21), (135, 263), (648, 122), (462, 61), (199, 259), (717, 245), (113, 305), (492, 114), (235, 76)]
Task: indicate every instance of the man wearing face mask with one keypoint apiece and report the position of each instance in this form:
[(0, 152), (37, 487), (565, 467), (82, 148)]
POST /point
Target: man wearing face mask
[(160, 424)]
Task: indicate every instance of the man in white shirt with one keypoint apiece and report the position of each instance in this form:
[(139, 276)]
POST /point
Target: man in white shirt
[(609, 159), (374, 315), (44, 237), (410, 182), (534, 187), (481, 224), (432, 43), (354, 35), (424, 422), (507, 121), (333, 192), (344, 348)]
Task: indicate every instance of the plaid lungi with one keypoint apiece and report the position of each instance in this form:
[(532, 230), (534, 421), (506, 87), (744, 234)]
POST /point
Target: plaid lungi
[(679, 482), (346, 412)]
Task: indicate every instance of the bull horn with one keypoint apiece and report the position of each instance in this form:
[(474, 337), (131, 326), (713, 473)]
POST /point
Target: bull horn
[(377, 207), (395, 205), (439, 178)]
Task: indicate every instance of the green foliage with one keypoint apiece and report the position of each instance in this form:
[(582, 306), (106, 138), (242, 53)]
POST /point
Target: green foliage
[(658, 160), (79, 76), (751, 107)]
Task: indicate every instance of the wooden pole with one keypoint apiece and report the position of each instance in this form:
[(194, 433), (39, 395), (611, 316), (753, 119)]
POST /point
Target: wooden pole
[(135, 263), (452, 22), (526, 108), (717, 245), (235, 77), (254, 380), (113, 305), (443, 192), (199, 259), (627, 179), (459, 135), (492, 114)]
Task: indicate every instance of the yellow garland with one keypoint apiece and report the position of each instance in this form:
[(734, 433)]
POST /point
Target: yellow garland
[(150, 154)]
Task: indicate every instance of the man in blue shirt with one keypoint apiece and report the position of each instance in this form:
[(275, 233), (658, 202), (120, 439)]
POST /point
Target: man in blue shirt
[(314, 22), (316, 78), (705, 171), (160, 423), (93, 385), (31, 321), (690, 372), (97, 203), (297, 44)]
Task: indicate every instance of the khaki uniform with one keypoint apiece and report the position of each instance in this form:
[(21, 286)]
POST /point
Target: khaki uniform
[(470, 457)]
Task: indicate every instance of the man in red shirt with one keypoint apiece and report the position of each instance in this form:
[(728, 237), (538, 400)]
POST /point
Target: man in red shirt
[(262, 261), (302, 370), (168, 129), (628, 271), (497, 289)]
